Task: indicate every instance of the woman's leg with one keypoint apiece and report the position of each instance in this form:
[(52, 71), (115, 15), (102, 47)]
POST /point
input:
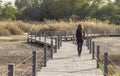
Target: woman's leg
[(80, 48)]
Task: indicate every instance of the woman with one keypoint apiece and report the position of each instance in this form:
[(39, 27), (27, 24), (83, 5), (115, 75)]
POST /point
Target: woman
[(79, 38)]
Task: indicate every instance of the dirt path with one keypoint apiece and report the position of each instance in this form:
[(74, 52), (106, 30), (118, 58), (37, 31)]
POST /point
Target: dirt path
[(13, 37)]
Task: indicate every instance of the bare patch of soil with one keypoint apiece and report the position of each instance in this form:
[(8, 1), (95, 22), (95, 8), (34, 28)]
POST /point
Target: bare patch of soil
[(110, 45), (16, 52), (14, 38)]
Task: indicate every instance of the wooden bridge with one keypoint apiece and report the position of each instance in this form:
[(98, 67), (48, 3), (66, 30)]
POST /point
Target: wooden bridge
[(64, 58), (66, 61)]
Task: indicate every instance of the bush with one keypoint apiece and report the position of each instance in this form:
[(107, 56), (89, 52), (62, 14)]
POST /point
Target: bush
[(4, 32), (90, 26), (23, 26), (14, 30)]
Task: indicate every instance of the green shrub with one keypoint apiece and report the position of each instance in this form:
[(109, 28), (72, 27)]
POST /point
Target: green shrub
[(111, 70)]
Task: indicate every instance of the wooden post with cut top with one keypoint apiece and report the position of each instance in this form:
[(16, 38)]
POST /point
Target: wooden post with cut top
[(98, 56), (11, 70), (45, 56), (105, 64), (56, 46), (93, 50), (44, 36), (51, 44), (90, 44), (34, 63)]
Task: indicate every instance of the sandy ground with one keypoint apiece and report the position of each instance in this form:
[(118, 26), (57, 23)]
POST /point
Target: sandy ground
[(15, 49), (14, 37), (16, 52), (110, 45)]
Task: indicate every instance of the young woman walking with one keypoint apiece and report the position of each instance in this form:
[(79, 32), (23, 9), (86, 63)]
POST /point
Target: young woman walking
[(79, 38)]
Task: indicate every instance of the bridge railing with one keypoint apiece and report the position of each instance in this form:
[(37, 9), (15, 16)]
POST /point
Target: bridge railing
[(105, 60), (93, 49), (31, 68), (12, 67), (54, 44)]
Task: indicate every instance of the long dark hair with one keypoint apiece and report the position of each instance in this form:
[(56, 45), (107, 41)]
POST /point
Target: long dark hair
[(80, 29)]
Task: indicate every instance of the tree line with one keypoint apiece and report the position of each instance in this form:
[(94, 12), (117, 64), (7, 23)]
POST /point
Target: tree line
[(38, 10)]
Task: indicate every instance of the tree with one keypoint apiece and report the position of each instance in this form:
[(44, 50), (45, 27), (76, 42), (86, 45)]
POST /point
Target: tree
[(32, 13), (0, 2), (84, 11), (64, 9), (57, 9), (0, 13), (8, 12), (21, 4), (117, 2)]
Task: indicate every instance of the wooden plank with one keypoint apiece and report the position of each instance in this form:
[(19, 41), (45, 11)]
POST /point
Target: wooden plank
[(48, 41), (70, 37), (66, 63)]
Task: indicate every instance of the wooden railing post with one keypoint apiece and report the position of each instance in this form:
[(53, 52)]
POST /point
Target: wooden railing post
[(73, 39), (65, 37), (35, 36), (56, 42), (45, 56), (87, 41), (51, 44), (60, 40), (47, 34), (31, 36), (98, 56), (44, 36), (11, 70), (40, 35), (51, 35), (93, 50), (90, 42), (105, 64), (34, 63), (28, 36)]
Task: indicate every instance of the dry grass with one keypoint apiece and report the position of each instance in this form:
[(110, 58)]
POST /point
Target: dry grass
[(13, 28), (18, 27)]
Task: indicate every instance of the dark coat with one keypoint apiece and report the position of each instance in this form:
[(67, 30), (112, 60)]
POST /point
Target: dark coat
[(79, 34)]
